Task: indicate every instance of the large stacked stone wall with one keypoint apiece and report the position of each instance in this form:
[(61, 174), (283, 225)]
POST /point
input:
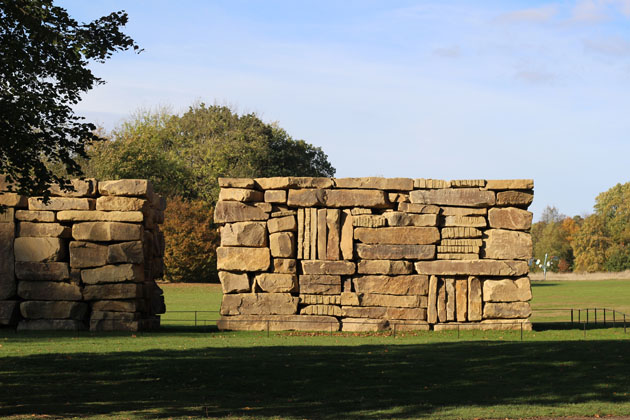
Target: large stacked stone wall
[(364, 254), (86, 259)]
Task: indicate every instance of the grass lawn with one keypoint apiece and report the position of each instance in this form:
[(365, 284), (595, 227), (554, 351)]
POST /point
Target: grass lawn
[(182, 372)]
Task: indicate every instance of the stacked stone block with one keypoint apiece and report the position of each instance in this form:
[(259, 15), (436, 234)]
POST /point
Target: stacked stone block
[(365, 254), (86, 259)]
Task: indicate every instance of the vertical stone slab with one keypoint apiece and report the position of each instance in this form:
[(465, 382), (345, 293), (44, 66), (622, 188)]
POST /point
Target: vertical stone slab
[(474, 299), (441, 302), (307, 235), (333, 217), (8, 285), (450, 299), (313, 233), (432, 301), (322, 234), (461, 300), (300, 241), (347, 236)]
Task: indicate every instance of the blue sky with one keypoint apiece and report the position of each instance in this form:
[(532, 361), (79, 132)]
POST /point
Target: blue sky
[(450, 90)]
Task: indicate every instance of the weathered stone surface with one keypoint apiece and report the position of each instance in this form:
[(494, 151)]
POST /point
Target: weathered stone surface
[(13, 200), (514, 198), (395, 252), (39, 249), (507, 245), (397, 197), (301, 218), (240, 194), (252, 234), (278, 323), (462, 242), (276, 282), (51, 325), (106, 231), (87, 254), (424, 183), (458, 249), (510, 218), (100, 216), (35, 309), (408, 325), (506, 324), (237, 183), (285, 265), (259, 304), (463, 211), (48, 290), (506, 310), (510, 184), (320, 299), (113, 274), (462, 197), (8, 216), (42, 271), (7, 260), (115, 316), (50, 230), (313, 233), (282, 212), (235, 211), (125, 252), (384, 267), (126, 187), (358, 211), (266, 207), (471, 256), (306, 244), (465, 221), (392, 285), (80, 188), (507, 290), (408, 301), (346, 243), (234, 282), (441, 301), (243, 259), (333, 227), (282, 224), (364, 325), (320, 284), (473, 268), (461, 299), (398, 218), (450, 299), (378, 183), (381, 312), (474, 299), (61, 203), (328, 267), (467, 183), (307, 198), (369, 220), (9, 312), (408, 235), (418, 208), (356, 198), (275, 196), (332, 310), (119, 305), (460, 232), (114, 203), (282, 244), (281, 183), (113, 291)]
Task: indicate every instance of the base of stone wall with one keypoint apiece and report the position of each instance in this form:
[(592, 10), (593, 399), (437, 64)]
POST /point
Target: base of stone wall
[(278, 323)]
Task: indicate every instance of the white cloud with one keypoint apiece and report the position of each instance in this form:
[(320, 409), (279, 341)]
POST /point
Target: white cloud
[(608, 46), (536, 15), (590, 11)]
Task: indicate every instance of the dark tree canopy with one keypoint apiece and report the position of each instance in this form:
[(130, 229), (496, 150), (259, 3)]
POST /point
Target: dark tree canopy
[(43, 72)]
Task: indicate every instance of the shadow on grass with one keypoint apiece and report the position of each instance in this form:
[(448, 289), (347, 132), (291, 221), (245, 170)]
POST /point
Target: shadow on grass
[(315, 381)]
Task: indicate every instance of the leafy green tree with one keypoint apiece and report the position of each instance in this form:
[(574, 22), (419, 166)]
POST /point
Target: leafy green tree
[(550, 237), (44, 57)]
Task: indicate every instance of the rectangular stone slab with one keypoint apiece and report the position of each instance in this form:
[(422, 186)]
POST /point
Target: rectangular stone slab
[(276, 282), (507, 290), (50, 230), (395, 252), (80, 188), (48, 290), (278, 323), (506, 310), (473, 267), (432, 300), (333, 226), (293, 182), (474, 299), (42, 271), (253, 234), (462, 197), (322, 234), (35, 216), (100, 216), (61, 203), (320, 284), (236, 183), (40, 249), (126, 187), (407, 235), (328, 267), (53, 310), (235, 211), (106, 231), (510, 218), (383, 312), (259, 304), (372, 299), (234, 282), (376, 183), (356, 198), (384, 267), (243, 259), (113, 291), (240, 194), (510, 184), (461, 292), (392, 285), (113, 274)]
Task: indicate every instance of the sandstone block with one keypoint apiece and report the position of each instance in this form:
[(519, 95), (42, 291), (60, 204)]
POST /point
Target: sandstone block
[(392, 285), (113, 274), (510, 218), (235, 211), (459, 249), (397, 218), (285, 265), (346, 242), (234, 282), (115, 203), (357, 198), (364, 324), (441, 301), (48, 290), (115, 316), (474, 299), (469, 256), (276, 282), (358, 211), (282, 244), (106, 231), (408, 235), (506, 310), (432, 312), (507, 290), (462, 197), (9, 312), (252, 234), (301, 219), (473, 268), (34, 309), (240, 194), (278, 323), (80, 188), (424, 183), (397, 197), (8, 285), (307, 198), (380, 312), (8, 216), (463, 211), (369, 220), (377, 183), (126, 187), (51, 230), (282, 224), (282, 183), (115, 325), (349, 299), (384, 267), (236, 183), (408, 325), (507, 245), (87, 254), (259, 304), (100, 216), (320, 284), (51, 325), (408, 301), (328, 267), (125, 252), (320, 299), (395, 252), (465, 221), (333, 227), (476, 243), (461, 299), (468, 183), (61, 203), (275, 196), (39, 249), (113, 291), (42, 271), (119, 305), (510, 184), (460, 232), (13, 200), (418, 208), (450, 299), (243, 259), (514, 198), (332, 310), (506, 324)]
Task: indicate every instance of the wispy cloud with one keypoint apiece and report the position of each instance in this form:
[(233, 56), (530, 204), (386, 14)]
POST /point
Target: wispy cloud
[(540, 14), (448, 52), (596, 11), (616, 46)]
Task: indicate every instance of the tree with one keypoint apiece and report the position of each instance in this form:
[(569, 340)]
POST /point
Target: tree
[(549, 236), (44, 56)]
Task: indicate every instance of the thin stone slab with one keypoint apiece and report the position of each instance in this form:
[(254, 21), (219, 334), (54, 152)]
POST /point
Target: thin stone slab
[(320, 284), (441, 301), (114, 203), (463, 211), (113, 274), (507, 310), (507, 290), (333, 226), (40, 249), (462, 197), (276, 282), (460, 232), (510, 218), (234, 282), (307, 198), (106, 231), (384, 267), (467, 183), (408, 301), (395, 252), (61, 203), (240, 194), (503, 244), (398, 218), (237, 183), (293, 182), (418, 208), (13, 200), (377, 183), (100, 216), (450, 299), (113, 291), (252, 234), (42, 271), (465, 221), (235, 211), (259, 304), (474, 299), (461, 299), (35, 216), (50, 230), (473, 267), (34, 309), (510, 184), (432, 313), (413, 284), (364, 325), (332, 310), (48, 290), (346, 243), (506, 324), (243, 259), (408, 235), (275, 196), (322, 234), (381, 312), (126, 187), (356, 198), (427, 183), (514, 198), (278, 323), (51, 325), (328, 267), (282, 224)]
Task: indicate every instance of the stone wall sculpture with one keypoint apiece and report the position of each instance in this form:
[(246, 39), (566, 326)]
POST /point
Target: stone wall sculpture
[(86, 259), (368, 254)]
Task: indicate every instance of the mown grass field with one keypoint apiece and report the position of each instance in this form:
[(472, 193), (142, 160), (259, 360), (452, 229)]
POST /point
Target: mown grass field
[(183, 372)]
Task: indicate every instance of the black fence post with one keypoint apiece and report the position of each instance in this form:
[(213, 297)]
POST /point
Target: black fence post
[(458, 331), (579, 316), (604, 317), (585, 330), (267, 328), (587, 315), (522, 324), (571, 316), (614, 318), (624, 323), (394, 329), (595, 316), (195, 318)]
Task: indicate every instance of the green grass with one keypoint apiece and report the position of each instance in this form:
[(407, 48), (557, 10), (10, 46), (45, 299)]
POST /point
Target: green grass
[(182, 372), (191, 297)]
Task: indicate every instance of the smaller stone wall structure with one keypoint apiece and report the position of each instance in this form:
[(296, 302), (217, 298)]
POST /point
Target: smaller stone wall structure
[(367, 254), (86, 259)]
